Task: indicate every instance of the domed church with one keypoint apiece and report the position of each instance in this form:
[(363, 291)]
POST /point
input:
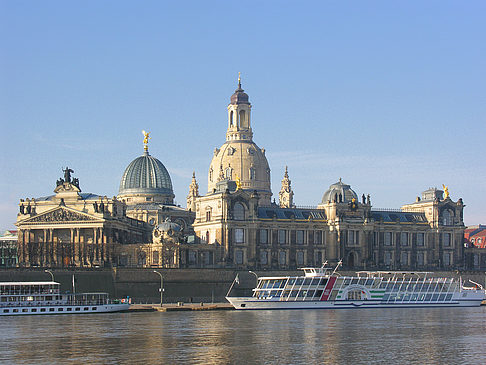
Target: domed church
[(247, 230)]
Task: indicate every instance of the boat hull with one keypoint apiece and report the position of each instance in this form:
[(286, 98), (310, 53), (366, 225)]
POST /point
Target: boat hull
[(245, 303), (62, 309)]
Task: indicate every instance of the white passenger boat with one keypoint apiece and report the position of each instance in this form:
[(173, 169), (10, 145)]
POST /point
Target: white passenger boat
[(20, 298), (324, 288)]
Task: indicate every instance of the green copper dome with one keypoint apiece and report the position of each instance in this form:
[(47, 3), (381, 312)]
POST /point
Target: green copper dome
[(146, 175)]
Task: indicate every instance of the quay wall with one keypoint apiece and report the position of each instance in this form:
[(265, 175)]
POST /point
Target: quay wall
[(180, 285)]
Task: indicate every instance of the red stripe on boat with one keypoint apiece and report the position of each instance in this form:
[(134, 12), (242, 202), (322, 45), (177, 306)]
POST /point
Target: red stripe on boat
[(329, 286)]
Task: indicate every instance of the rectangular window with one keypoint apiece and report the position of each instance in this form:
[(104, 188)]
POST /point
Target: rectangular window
[(300, 258), (420, 239), (446, 239), (447, 259), (318, 237), (300, 237), (239, 235), (420, 258), (239, 257), (282, 258), (404, 239), (388, 239), (404, 258), (263, 236), (388, 258), (264, 257), (318, 258), (351, 237), (282, 233)]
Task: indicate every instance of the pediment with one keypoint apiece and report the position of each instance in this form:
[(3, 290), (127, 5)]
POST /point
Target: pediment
[(61, 214)]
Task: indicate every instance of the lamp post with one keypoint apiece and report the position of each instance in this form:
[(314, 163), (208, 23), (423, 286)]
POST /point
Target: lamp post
[(50, 272), (256, 276), (161, 287)]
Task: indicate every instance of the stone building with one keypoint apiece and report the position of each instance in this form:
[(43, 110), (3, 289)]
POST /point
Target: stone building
[(237, 217), (74, 229), (8, 249)]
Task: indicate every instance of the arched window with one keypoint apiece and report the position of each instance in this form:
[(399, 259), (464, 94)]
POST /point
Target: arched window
[(231, 118), (447, 218), (228, 173), (207, 236), (252, 174), (239, 212), (211, 174), (155, 258), (243, 121)]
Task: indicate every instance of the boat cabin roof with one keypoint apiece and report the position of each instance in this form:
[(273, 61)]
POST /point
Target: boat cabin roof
[(24, 283)]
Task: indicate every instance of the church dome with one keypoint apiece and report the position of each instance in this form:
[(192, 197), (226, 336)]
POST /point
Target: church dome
[(239, 96), (146, 177), (242, 160), (337, 192)]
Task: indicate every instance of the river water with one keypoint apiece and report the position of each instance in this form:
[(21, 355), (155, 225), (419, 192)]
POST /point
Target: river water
[(363, 336)]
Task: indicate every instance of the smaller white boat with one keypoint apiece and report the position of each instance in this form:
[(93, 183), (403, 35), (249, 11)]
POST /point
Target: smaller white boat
[(324, 288), (45, 297)]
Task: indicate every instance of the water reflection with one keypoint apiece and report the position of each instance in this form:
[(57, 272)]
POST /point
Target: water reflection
[(286, 337)]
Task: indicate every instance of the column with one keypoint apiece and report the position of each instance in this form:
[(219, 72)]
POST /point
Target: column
[(27, 248), (21, 239), (53, 248)]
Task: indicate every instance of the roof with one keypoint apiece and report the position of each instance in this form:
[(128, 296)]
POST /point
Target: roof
[(29, 283), (290, 213), (394, 216), (84, 196), (146, 175)]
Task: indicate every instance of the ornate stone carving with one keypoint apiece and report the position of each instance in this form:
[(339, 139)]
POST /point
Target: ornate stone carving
[(61, 215)]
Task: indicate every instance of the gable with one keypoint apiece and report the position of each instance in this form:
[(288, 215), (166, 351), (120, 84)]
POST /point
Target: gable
[(60, 215)]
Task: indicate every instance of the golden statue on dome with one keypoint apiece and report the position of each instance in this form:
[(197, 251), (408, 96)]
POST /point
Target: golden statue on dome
[(446, 191), (145, 139)]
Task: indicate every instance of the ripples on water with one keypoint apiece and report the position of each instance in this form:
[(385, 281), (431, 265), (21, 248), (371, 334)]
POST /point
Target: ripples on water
[(412, 336)]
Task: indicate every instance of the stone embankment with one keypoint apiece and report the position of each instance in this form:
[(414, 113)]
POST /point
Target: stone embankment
[(190, 286)]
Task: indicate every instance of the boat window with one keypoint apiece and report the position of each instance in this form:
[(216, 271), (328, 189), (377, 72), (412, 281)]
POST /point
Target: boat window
[(77, 309), (282, 283), (286, 293), (302, 294), (427, 297), (323, 282), (34, 309), (291, 281), (293, 293), (347, 281), (6, 311), (307, 281), (318, 293), (435, 297), (25, 310), (69, 309), (442, 297), (299, 281), (414, 297), (15, 310), (60, 309), (354, 281), (315, 281), (310, 293), (42, 309), (369, 282), (448, 297), (94, 308)]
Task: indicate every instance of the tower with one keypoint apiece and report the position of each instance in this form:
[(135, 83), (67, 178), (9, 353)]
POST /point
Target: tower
[(286, 195), (193, 193), (239, 157)]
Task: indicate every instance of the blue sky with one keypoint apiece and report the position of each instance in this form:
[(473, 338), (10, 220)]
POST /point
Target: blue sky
[(390, 96)]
